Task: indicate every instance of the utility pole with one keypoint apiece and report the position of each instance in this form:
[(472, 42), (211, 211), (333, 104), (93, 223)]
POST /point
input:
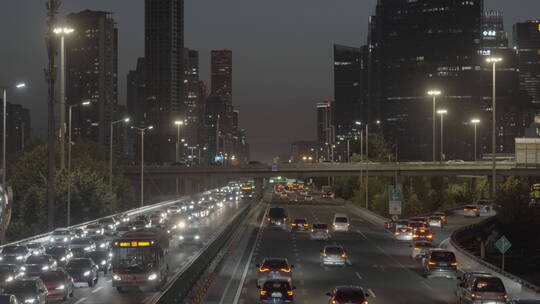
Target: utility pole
[(50, 76)]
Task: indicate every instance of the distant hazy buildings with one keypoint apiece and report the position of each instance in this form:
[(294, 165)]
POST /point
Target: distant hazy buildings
[(91, 73), (192, 97), (221, 75), (136, 97), (304, 151), (164, 58), (527, 43)]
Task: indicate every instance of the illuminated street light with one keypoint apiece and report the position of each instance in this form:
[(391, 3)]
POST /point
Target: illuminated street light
[(143, 131), (434, 94), (494, 61), (442, 112), (125, 120), (475, 122)]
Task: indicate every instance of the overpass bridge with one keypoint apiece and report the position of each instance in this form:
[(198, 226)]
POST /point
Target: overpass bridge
[(308, 170)]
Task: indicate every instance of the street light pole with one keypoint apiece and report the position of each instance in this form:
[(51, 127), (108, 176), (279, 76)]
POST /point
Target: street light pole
[(442, 113), (126, 120), (494, 61), (434, 94), (367, 166), (178, 124), (475, 122), (142, 130)]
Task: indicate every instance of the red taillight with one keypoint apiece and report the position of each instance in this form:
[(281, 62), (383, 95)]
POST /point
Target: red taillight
[(432, 263), (305, 225), (293, 224), (325, 254), (454, 264), (429, 236), (290, 292), (343, 255), (264, 269), (334, 302), (285, 270), (263, 292)]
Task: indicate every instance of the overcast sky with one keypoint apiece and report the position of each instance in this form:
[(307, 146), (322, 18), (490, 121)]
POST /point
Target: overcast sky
[(282, 54)]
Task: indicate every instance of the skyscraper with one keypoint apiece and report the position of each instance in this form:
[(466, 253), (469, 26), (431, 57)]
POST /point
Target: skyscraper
[(192, 103), (222, 75), (326, 132), (416, 46), (136, 95), (164, 57), (350, 70), (527, 42), (91, 73)]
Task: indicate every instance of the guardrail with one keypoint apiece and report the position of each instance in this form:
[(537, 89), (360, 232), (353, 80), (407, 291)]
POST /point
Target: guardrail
[(180, 286), (465, 233)]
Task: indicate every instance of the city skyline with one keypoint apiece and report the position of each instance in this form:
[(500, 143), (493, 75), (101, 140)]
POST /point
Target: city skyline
[(263, 91)]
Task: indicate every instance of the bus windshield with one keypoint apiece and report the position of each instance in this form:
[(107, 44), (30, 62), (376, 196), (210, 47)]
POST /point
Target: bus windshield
[(133, 260)]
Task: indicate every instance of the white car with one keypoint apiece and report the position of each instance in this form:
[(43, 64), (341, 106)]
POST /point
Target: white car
[(341, 222), (471, 211), (320, 231)]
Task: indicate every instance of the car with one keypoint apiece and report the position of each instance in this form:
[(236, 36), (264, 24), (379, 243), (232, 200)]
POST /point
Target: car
[(299, 224), (274, 268), (319, 231), (420, 248), (347, 294), (442, 215), (14, 254), (435, 221), (78, 233), (47, 262), (95, 229), (421, 219), (80, 246), (9, 273), (439, 263), (61, 236), (334, 255), (403, 234), (8, 299), (33, 270), (422, 234), (35, 248), (481, 288), (309, 198), (59, 283), (173, 209), (61, 254), (277, 217), (108, 223), (101, 258), (471, 211), (31, 291), (119, 230), (276, 291), (102, 243), (83, 270), (341, 222), (139, 224), (190, 236)]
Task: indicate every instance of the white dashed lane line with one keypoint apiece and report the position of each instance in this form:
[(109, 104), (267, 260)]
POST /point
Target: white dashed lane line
[(97, 289), (371, 293), (80, 301)]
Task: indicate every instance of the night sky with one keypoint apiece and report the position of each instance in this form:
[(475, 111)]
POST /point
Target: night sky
[(282, 54)]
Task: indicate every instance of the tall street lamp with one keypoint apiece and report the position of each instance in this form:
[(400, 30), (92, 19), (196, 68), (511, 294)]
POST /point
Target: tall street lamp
[(4, 119), (62, 32), (442, 113), (178, 124), (84, 104), (494, 61), (143, 131), (378, 122), (434, 94), (125, 120), (475, 122)]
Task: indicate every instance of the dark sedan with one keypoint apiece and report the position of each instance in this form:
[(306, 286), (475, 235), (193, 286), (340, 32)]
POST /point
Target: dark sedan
[(101, 258), (83, 270)]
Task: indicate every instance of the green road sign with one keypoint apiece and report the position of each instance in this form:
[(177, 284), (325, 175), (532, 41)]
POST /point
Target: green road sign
[(395, 197), (503, 244)]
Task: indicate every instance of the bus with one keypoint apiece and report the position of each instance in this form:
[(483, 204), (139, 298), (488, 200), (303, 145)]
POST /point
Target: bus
[(140, 258)]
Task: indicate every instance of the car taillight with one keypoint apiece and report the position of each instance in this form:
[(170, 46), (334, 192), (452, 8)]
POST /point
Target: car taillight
[(396, 233), (429, 236), (285, 270), (265, 269), (263, 292), (325, 254), (293, 224), (475, 209), (416, 248), (312, 230), (305, 225), (343, 255), (432, 263), (334, 302), (327, 230), (269, 219), (415, 235), (290, 292), (454, 264)]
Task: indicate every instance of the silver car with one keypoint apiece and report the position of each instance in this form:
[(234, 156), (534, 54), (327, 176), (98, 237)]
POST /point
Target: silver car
[(274, 268), (479, 288), (320, 231), (471, 211), (420, 248), (403, 234), (334, 255)]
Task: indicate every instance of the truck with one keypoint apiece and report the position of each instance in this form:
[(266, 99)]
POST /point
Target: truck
[(528, 152), (140, 258), (327, 192)]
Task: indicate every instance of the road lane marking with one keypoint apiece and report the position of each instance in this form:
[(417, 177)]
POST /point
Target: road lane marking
[(246, 269), (427, 285), (80, 301), (371, 293), (108, 281), (97, 289), (358, 275)]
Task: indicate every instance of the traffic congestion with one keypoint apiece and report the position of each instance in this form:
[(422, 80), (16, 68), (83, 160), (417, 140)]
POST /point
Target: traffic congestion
[(131, 251)]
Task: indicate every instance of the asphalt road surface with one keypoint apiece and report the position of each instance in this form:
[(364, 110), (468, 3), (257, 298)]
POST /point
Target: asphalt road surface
[(383, 268)]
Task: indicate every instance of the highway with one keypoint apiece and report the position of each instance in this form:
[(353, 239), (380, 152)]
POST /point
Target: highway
[(384, 269), (103, 291)]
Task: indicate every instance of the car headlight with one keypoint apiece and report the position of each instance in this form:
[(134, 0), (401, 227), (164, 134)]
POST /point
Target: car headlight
[(29, 300), (61, 287), (111, 254), (101, 245), (116, 277), (9, 279), (23, 268), (103, 262), (174, 227), (20, 257), (87, 248), (181, 237), (152, 277), (86, 273), (1, 258), (63, 259), (181, 224), (45, 268), (65, 239), (197, 237)]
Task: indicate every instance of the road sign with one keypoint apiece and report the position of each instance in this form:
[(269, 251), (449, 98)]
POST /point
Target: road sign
[(274, 167), (503, 244), (395, 197)]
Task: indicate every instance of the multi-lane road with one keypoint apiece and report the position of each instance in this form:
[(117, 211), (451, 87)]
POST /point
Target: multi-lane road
[(383, 268), (103, 291)]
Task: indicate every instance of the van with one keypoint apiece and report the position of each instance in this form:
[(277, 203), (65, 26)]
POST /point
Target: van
[(341, 222)]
